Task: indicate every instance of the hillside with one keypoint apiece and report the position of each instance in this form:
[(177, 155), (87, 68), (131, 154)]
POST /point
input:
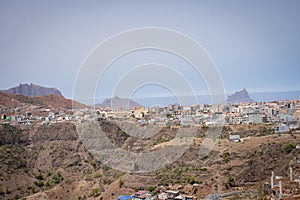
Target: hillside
[(32, 90), (7, 101), (47, 101), (48, 161), (57, 101), (45, 158)]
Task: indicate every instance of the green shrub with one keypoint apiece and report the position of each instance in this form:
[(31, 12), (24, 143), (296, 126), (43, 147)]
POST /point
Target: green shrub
[(230, 181), (39, 183), (95, 192), (1, 191), (39, 177), (226, 157), (26, 170), (121, 182), (288, 147), (97, 175), (47, 183), (57, 178), (106, 168), (151, 188), (191, 179)]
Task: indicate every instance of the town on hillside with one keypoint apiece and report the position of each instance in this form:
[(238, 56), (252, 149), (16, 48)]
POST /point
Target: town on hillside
[(237, 119), (284, 115)]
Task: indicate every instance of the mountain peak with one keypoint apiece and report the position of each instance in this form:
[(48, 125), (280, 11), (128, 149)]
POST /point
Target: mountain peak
[(118, 102), (239, 96), (31, 90)]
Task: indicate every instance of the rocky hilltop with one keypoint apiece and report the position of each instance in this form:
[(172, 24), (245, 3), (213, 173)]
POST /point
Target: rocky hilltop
[(117, 102), (32, 90), (239, 96)]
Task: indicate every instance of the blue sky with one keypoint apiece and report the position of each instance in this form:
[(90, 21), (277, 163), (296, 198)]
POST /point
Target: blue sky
[(255, 44)]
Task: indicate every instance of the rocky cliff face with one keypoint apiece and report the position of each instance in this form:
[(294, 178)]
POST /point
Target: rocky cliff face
[(32, 90), (240, 96)]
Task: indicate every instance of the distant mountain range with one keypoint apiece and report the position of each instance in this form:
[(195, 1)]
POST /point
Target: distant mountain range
[(117, 102), (31, 90), (239, 96), (53, 97)]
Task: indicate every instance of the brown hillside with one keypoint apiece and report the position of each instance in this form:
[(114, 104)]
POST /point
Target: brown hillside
[(57, 101), (7, 101), (48, 161), (51, 101)]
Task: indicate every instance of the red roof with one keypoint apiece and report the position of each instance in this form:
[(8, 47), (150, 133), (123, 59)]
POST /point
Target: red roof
[(141, 192)]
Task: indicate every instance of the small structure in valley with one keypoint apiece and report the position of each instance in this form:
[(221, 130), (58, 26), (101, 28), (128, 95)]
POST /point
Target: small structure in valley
[(234, 138)]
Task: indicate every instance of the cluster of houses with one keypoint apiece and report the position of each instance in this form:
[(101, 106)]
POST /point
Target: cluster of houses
[(167, 195), (284, 114), (44, 116)]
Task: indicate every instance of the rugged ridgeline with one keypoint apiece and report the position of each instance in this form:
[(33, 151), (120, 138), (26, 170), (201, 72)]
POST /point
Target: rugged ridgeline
[(239, 96), (32, 90), (117, 102)]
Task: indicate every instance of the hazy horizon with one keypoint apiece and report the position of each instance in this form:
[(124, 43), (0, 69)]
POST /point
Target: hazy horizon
[(149, 101), (167, 98), (254, 44)]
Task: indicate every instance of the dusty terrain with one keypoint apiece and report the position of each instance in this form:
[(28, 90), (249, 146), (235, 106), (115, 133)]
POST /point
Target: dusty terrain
[(48, 161), (54, 102)]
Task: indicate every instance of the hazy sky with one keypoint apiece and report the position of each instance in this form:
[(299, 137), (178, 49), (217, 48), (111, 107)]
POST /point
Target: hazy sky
[(255, 44)]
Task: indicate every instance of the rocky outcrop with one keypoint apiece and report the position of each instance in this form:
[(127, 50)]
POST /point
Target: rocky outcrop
[(239, 96), (117, 102), (32, 90)]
